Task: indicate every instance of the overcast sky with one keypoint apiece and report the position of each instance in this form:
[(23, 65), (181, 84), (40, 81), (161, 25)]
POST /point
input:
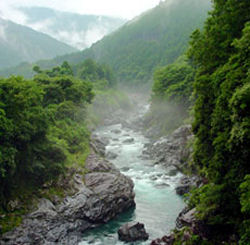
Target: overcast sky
[(119, 8)]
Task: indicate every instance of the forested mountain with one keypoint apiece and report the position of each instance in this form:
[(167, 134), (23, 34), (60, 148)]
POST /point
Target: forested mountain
[(79, 31), (22, 44), (155, 38)]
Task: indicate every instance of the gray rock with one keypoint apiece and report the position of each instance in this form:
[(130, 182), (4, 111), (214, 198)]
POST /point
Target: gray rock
[(187, 183), (128, 141), (132, 232), (45, 210), (99, 144), (166, 240), (197, 227), (161, 185), (171, 150), (172, 171), (98, 197), (116, 131), (111, 155), (182, 189), (125, 169), (186, 217)]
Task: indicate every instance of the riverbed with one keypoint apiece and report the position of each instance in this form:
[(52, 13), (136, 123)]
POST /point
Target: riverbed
[(157, 204)]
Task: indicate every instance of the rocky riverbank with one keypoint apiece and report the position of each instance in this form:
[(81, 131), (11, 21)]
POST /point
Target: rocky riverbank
[(174, 152), (98, 196)]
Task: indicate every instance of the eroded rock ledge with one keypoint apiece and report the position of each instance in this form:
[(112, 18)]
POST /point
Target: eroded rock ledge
[(99, 196)]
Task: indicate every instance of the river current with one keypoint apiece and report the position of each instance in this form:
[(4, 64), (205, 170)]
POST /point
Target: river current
[(157, 204)]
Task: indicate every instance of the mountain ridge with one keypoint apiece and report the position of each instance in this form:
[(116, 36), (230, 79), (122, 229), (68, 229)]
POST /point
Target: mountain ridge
[(84, 28), (19, 43), (155, 38)]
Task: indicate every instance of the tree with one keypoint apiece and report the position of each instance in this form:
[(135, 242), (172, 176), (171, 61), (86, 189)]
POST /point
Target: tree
[(221, 54)]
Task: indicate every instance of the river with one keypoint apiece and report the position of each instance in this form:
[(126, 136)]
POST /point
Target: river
[(157, 204)]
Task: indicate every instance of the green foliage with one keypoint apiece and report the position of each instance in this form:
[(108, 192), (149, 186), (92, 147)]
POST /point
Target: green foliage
[(171, 97), (245, 195), (10, 220), (245, 233), (222, 58), (25, 134), (100, 75), (156, 38), (42, 128), (174, 83), (185, 237)]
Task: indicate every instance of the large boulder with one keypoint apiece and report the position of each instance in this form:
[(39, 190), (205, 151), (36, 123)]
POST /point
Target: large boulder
[(133, 231), (98, 196)]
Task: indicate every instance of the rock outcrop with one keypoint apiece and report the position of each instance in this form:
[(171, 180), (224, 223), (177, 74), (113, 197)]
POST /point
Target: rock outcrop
[(187, 183), (99, 144), (132, 232), (171, 150), (166, 240), (101, 194)]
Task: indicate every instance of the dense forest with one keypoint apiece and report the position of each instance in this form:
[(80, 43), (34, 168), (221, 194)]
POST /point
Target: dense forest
[(221, 55), (218, 70)]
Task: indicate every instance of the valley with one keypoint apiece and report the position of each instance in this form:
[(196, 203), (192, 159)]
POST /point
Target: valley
[(142, 137)]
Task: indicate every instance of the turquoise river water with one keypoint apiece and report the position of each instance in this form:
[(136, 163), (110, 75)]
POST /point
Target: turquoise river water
[(157, 204)]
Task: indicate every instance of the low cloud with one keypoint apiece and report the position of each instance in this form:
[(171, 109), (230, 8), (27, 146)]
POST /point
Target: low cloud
[(75, 37), (10, 12)]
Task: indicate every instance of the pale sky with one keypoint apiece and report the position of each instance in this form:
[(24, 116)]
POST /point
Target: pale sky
[(119, 8)]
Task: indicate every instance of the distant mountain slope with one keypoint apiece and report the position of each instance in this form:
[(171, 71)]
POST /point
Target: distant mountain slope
[(19, 44), (155, 38), (77, 30)]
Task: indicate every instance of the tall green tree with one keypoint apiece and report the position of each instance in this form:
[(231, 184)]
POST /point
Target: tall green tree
[(221, 54)]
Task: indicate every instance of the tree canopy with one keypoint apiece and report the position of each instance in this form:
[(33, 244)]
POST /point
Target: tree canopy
[(221, 54), (42, 126)]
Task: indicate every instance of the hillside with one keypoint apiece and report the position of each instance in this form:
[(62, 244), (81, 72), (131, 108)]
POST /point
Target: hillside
[(20, 44), (155, 38), (79, 31)]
